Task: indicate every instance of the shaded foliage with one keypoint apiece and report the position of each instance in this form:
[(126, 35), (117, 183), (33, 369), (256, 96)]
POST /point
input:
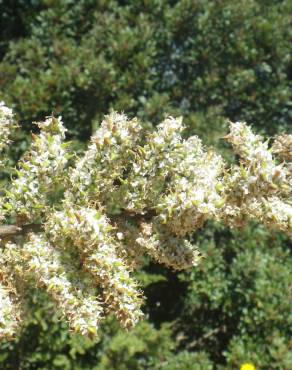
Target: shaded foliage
[(147, 57)]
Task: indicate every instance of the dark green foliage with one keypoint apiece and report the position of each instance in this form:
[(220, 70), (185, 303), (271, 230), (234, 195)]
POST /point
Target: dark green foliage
[(238, 303), (148, 58), (46, 344), (208, 61), (15, 19), (186, 360)]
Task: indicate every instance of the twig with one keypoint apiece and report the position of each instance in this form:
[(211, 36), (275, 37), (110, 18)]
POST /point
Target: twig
[(200, 340), (9, 231)]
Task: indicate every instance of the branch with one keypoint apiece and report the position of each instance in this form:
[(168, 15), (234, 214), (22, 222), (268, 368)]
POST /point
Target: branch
[(9, 231), (207, 335)]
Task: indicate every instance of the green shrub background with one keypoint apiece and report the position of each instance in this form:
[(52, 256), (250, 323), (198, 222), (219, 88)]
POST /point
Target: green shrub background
[(206, 60)]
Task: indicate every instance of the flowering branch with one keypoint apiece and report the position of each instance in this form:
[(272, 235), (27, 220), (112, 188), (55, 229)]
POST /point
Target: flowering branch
[(81, 227)]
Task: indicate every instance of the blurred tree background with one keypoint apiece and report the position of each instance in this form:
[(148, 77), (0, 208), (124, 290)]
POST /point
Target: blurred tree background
[(208, 60)]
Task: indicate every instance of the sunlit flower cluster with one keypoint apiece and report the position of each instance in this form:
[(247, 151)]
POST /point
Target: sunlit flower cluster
[(149, 170), (259, 171), (6, 125), (257, 184), (168, 249), (282, 146), (10, 313), (132, 194), (194, 193), (88, 230), (71, 290), (97, 174), (12, 291), (39, 171), (69, 287)]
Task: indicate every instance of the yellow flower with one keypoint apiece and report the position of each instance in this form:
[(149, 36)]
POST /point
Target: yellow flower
[(247, 366)]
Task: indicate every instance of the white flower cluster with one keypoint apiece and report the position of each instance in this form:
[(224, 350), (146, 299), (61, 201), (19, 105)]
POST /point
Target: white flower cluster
[(259, 187), (282, 146), (167, 249), (194, 193), (39, 172), (275, 213), (132, 193), (39, 263), (95, 176), (6, 125), (9, 311), (11, 297), (258, 166), (88, 230), (68, 286), (150, 167)]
